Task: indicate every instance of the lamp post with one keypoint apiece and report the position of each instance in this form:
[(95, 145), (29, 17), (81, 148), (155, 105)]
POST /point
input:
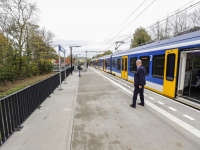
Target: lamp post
[(71, 55), (86, 61)]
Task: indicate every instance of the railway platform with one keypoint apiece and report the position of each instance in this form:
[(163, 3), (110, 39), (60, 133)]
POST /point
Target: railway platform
[(92, 112)]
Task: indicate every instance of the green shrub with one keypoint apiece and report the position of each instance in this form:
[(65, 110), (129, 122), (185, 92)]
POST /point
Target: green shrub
[(35, 70)]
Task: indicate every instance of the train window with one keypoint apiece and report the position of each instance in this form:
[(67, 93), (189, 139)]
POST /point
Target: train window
[(170, 67), (122, 64), (108, 63), (133, 66), (113, 62), (196, 62), (118, 64), (145, 63), (126, 64), (105, 63), (158, 66)]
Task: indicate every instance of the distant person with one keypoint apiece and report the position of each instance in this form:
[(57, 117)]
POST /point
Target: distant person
[(79, 68), (139, 82)]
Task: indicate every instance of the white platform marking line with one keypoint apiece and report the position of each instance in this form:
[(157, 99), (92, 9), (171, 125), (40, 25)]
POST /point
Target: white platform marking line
[(151, 97), (172, 108), (188, 117), (184, 125), (173, 101), (161, 103)]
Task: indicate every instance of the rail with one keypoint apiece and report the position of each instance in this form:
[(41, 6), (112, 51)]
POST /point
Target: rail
[(17, 107)]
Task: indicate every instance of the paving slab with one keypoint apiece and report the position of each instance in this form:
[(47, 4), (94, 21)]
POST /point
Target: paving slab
[(92, 113), (50, 127), (104, 121)]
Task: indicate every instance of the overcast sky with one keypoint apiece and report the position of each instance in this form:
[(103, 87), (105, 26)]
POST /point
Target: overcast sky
[(89, 22)]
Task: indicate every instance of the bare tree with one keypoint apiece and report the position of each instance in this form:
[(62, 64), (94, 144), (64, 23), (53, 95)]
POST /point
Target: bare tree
[(167, 28), (5, 24), (174, 24), (197, 14), (47, 37), (195, 17), (183, 24), (22, 12)]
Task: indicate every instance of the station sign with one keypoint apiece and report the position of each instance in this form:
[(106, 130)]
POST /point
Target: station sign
[(62, 49)]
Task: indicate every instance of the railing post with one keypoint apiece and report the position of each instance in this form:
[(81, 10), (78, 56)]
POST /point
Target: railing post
[(15, 109), (1, 126)]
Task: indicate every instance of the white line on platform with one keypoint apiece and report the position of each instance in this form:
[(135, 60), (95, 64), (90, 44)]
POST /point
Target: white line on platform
[(161, 103), (151, 97), (172, 108), (169, 99), (188, 117), (176, 120), (172, 100)]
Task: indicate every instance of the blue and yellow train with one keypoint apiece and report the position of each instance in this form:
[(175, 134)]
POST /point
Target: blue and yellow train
[(172, 65)]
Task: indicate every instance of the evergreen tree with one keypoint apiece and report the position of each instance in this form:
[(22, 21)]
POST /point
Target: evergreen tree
[(140, 36)]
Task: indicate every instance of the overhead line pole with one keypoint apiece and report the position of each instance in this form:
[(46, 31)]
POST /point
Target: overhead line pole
[(71, 55)]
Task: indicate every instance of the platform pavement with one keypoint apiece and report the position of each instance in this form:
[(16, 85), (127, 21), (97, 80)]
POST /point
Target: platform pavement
[(98, 117), (50, 127), (104, 121)]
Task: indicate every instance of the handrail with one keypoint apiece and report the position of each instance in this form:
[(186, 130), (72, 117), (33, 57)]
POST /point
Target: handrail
[(17, 107)]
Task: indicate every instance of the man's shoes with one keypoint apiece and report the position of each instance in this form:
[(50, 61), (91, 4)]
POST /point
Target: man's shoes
[(132, 106), (79, 76), (141, 104)]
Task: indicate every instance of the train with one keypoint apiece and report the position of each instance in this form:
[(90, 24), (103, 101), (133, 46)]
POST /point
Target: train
[(172, 65)]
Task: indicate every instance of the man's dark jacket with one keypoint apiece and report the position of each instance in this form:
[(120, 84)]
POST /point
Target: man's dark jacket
[(79, 67), (139, 78)]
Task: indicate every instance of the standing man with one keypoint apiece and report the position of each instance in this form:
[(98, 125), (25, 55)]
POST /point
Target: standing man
[(139, 82), (79, 68)]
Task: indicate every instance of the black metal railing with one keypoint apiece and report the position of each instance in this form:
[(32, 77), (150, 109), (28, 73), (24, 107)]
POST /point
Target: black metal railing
[(17, 107)]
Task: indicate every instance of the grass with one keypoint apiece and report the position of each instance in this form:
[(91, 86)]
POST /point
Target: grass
[(10, 87)]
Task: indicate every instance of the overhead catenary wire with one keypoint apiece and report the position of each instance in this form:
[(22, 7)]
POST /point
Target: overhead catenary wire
[(123, 22), (165, 18), (130, 23)]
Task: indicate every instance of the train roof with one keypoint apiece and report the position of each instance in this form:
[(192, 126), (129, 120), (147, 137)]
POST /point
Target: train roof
[(191, 38), (103, 57), (174, 42)]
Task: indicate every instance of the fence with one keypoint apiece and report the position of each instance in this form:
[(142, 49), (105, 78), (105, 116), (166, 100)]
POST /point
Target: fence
[(17, 107)]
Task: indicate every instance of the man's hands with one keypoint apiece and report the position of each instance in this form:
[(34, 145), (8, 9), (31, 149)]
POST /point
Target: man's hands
[(140, 86)]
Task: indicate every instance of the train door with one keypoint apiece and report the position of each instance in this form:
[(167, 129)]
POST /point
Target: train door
[(111, 64), (98, 64), (124, 67), (103, 64), (170, 73), (189, 74)]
